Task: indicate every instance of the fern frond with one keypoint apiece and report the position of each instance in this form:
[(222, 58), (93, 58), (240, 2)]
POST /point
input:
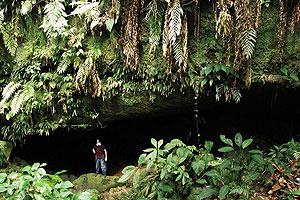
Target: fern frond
[(154, 19), (9, 90), (54, 22), (83, 72), (175, 24), (165, 38), (178, 53), (64, 63), (9, 39), (17, 102), (247, 40), (3, 106)]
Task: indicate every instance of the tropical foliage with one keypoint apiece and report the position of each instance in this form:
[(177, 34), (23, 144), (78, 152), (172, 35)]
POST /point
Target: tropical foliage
[(53, 52), (178, 171), (34, 183)]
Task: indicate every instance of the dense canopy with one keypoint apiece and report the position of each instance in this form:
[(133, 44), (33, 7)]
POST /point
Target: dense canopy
[(54, 52)]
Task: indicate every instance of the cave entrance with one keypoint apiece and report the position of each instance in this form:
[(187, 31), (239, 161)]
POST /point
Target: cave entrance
[(269, 114), (124, 140)]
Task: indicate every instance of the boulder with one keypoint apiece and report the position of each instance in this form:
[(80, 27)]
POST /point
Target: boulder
[(5, 151), (18, 162), (99, 182)]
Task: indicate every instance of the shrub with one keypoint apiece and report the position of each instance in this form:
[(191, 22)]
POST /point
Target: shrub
[(34, 183)]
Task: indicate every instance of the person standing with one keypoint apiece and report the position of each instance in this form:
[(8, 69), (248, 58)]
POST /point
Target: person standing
[(100, 158)]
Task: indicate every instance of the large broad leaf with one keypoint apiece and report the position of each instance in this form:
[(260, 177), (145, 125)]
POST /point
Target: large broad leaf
[(182, 154), (207, 192), (271, 168), (127, 173), (66, 185), (238, 139), (208, 145), (252, 176), (226, 149), (223, 191), (284, 70), (246, 143), (294, 77), (154, 142), (226, 140), (198, 166), (258, 158), (142, 159), (255, 151), (201, 181), (109, 24), (212, 173), (165, 188)]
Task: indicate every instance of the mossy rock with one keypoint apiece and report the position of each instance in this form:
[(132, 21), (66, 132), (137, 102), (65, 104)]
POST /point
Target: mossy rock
[(18, 162), (99, 182), (5, 151)]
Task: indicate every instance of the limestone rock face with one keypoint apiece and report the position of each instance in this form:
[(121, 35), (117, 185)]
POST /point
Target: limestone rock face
[(5, 151), (99, 182)]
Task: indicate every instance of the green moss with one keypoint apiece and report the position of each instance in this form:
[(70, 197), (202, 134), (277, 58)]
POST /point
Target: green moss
[(100, 183)]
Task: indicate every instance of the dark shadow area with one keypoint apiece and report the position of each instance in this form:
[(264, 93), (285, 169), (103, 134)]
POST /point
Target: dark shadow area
[(269, 114)]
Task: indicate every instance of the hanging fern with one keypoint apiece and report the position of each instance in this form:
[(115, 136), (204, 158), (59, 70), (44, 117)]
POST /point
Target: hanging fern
[(9, 38), (175, 24), (178, 53), (54, 22), (154, 19), (83, 72), (247, 40), (9, 90)]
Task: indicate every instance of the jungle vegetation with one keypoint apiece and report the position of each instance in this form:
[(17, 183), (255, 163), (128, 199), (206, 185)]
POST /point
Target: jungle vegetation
[(53, 52)]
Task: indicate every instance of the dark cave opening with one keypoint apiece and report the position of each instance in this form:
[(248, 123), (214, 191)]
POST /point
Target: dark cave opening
[(269, 114)]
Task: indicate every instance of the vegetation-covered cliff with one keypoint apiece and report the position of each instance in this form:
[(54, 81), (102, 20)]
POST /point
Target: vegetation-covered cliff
[(55, 52)]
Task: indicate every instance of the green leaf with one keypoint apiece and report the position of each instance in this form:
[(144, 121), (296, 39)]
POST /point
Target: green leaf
[(66, 185), (224, 68), (223, 191), (160, 142), (246, 143), (109, 24), (219, 77), (255, 151), (203, 82), (208, 70), (271, 168), (212, 173), (165, 188), (127, 173), (154, 142), (294, 77), (198, 166), (3, 175), (211, 81), (201, 181), (142, 159), (226, 140), (208, 145), (13, 175), (284, 70), (252, 176), (35, 166), (207, 192), (258, 158), (226, 149), (238, 139)]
